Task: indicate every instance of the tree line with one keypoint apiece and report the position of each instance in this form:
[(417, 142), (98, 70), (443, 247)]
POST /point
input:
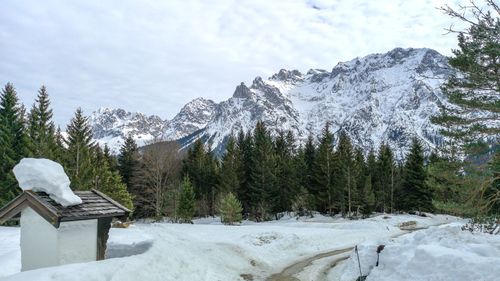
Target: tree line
[(268, 174), (33, 134)]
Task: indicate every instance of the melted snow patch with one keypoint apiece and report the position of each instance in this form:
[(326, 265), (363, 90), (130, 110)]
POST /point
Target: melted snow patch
[(46, 176)]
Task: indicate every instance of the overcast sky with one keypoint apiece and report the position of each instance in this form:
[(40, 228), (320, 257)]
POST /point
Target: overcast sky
[(154, 56)]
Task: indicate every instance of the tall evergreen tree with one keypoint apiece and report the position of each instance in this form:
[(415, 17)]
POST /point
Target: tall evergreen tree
[(359, 176), (475, 86), (245, 152), (229, 180), (287, 179), (384, 188), (309, 158), (108, 181), (201, 167), (344, 174), (415, 193), (263, 177), (78, 157), (41, 128), (13, 144), (323, 189), (128, 160)]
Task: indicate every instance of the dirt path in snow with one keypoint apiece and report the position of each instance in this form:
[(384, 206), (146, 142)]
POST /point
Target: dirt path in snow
[(289, 273)]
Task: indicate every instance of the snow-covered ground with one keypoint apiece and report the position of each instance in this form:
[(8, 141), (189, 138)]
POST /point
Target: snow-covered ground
[(438, 253), (208, 250)]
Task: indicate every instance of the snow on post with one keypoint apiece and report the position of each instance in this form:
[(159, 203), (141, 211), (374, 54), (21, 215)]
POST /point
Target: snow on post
[(46, 176)]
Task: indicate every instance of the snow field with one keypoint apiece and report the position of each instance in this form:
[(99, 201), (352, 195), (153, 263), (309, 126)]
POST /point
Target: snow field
[(208, 250)]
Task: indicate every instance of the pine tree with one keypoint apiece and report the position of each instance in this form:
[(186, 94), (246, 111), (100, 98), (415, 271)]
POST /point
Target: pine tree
[(41, 130), (59, 148), (201, 167), (230, 209), (287, 179), (323, 191), (359, 177), (344, 174), (263, 178), (245, 152), (13, 142), (78, 157), (368, 199), (128, 160), (229, 180), (309, 159), (109, 182), (475, 86), (186, 206), (384, 188), (415, 193)]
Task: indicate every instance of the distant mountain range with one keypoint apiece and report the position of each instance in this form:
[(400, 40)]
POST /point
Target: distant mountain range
[(379, 98)]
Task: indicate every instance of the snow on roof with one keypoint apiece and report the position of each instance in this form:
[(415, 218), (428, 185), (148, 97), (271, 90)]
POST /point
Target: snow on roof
[(44, 175)]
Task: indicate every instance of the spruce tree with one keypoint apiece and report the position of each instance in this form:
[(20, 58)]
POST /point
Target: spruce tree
[(416, 195), (262, 176), (287, 179), (201, 167), (359, 169), (41, 130), (309, 159), (108, 181), (128, 160), (13, 142), (229, 180), (186, 206), (78, 157), (384, 188), (344, 174), (245, 152), (475, 86), (368, 198), (230, 209), (323, 190)]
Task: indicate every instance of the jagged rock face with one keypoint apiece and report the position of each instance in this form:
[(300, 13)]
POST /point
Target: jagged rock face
[(378, 98), (192, 117), (111, 126)]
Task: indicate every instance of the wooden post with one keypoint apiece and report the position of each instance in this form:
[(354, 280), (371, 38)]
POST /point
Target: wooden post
[(103, 226)]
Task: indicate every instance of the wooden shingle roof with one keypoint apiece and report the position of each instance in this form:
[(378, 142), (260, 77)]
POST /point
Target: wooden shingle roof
[(94, 205)]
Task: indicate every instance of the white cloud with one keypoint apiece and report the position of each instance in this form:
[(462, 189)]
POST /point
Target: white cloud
[(154, 56)]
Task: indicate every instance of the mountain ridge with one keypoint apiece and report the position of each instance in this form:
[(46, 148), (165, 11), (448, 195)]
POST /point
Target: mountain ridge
[(387, 97)]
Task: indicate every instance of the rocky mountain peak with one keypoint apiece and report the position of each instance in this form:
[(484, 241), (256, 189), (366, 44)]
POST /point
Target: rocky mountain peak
[(380, 98), (242, 92)]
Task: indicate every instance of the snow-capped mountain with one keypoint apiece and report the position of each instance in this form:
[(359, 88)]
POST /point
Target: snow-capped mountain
[(378, 98), (112, 126)]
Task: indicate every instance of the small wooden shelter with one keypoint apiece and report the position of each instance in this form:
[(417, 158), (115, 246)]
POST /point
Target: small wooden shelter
[(53, 235)]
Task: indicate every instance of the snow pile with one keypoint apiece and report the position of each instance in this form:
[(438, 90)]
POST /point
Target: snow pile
[(46, 176), (438, 253)]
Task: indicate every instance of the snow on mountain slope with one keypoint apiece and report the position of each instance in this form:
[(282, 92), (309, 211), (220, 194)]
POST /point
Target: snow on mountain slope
[(378, 98), (193, 116), (112, 126)]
